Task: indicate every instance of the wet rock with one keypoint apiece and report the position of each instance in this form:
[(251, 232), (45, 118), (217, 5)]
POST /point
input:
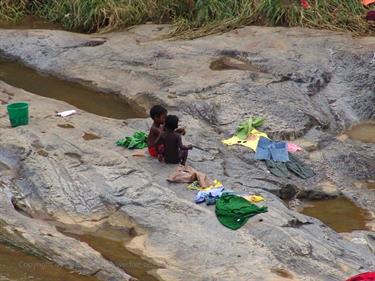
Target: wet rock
[(40, 238), (305, 88)]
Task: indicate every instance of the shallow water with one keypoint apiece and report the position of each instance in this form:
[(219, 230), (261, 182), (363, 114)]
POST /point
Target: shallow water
[(113, 250), (29, 22), (17, 266), (364, 132), (340, 214), (103, 104)]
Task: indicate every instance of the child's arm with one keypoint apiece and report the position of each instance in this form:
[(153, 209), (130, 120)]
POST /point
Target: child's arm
[(155, 133), (181, 131), (183, 147)]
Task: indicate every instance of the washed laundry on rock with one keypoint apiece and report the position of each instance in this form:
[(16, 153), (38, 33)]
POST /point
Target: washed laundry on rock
[(253, 198), (196, 186), (246, 127), (292, 147), (234, 211), (277, 169), (210, 196), (298, 168), (187, 174), (251, 141), (271, 150), (137, 141), (280, 169)]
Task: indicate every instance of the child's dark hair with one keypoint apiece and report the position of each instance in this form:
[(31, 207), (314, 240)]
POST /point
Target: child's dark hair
[(171, 122), (157, 110)]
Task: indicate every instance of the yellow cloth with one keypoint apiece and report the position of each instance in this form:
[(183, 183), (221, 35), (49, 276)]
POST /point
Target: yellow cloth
[(253, 198), (251, 142), (195, 186)]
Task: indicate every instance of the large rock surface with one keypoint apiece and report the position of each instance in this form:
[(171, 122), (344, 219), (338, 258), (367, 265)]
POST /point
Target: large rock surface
[(310, 84)]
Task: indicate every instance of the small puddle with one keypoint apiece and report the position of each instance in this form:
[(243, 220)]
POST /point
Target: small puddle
[(228, 63), (364, 132), (102, 104), (29, 22), (90, 136), (113, 250), (17, 266), (340, 214)]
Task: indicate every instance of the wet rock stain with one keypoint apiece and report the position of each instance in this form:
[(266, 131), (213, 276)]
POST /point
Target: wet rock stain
[(65, 126), (90, 136)]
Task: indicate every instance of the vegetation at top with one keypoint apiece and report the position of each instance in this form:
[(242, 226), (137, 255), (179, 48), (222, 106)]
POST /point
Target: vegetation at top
[(192, 18)]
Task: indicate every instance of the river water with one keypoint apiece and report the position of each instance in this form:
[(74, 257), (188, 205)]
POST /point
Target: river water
[(17, 266), (82, 97)]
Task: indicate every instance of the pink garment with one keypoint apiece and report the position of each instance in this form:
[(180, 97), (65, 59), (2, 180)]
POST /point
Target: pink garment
[(292, 147), (370, 15), (368, 276), (305, 4)]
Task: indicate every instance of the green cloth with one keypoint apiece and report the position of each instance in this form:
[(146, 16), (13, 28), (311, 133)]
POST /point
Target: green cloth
[(299, 168), (137, 141), (280, 169), (234, 211), (245, 128)]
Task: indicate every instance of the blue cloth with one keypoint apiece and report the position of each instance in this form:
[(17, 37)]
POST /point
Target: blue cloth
[(209, 195), (272, 150)]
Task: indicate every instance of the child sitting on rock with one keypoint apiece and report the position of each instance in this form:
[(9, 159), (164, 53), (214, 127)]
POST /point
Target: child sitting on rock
[(158, 115), (174, 151)]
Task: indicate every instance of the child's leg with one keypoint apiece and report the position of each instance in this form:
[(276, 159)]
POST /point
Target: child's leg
[(183, 156)]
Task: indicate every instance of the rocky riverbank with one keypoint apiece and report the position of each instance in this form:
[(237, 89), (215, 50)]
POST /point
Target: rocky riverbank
[(309, 85)]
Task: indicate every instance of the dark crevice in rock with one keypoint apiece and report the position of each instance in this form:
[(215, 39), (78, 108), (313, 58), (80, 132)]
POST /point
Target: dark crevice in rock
[(21, 208), (289, 191), (296, 223), (91, 43), (205, 93)]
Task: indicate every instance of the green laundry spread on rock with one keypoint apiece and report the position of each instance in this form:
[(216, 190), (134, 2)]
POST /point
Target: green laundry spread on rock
[(280, 169), (245, 128), (234, 211), (137, 141)]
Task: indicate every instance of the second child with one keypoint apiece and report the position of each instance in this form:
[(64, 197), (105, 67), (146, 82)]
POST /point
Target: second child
[(174, 151)]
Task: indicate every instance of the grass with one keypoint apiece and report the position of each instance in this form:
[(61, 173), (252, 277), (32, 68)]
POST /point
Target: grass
[(12, 10), (192, 18)]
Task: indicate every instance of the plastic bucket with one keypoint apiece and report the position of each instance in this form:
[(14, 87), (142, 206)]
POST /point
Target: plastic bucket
[(18, 113)]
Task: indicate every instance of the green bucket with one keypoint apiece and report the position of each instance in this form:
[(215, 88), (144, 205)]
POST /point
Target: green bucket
[(18, 113)]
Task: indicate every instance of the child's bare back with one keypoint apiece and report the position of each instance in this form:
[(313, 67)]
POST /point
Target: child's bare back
[(174, 151)]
